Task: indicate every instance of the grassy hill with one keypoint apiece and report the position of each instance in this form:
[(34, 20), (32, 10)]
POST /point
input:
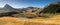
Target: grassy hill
[(52, 8)]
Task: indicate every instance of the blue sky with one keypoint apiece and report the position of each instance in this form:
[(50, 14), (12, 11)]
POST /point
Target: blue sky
[(26, 3)]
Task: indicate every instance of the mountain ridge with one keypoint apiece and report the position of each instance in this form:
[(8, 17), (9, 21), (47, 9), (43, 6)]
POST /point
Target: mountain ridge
[(52, 8)]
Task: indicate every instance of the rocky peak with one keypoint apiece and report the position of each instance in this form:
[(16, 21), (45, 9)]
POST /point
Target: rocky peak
[(7, 6)]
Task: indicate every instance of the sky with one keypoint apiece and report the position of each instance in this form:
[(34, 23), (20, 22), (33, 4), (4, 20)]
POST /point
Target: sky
[(27, 3)]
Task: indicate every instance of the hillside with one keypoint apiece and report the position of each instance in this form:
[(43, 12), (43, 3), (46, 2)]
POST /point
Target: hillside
[(29, 13), (52, 8)]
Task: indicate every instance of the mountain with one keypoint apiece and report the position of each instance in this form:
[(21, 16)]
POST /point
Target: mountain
[(52, 8), (8, 8)]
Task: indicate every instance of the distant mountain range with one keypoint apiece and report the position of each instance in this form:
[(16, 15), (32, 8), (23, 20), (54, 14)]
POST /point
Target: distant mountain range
[(8, 8)]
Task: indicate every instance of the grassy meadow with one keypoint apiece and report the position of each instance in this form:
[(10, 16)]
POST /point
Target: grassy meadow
[(52, 20)]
